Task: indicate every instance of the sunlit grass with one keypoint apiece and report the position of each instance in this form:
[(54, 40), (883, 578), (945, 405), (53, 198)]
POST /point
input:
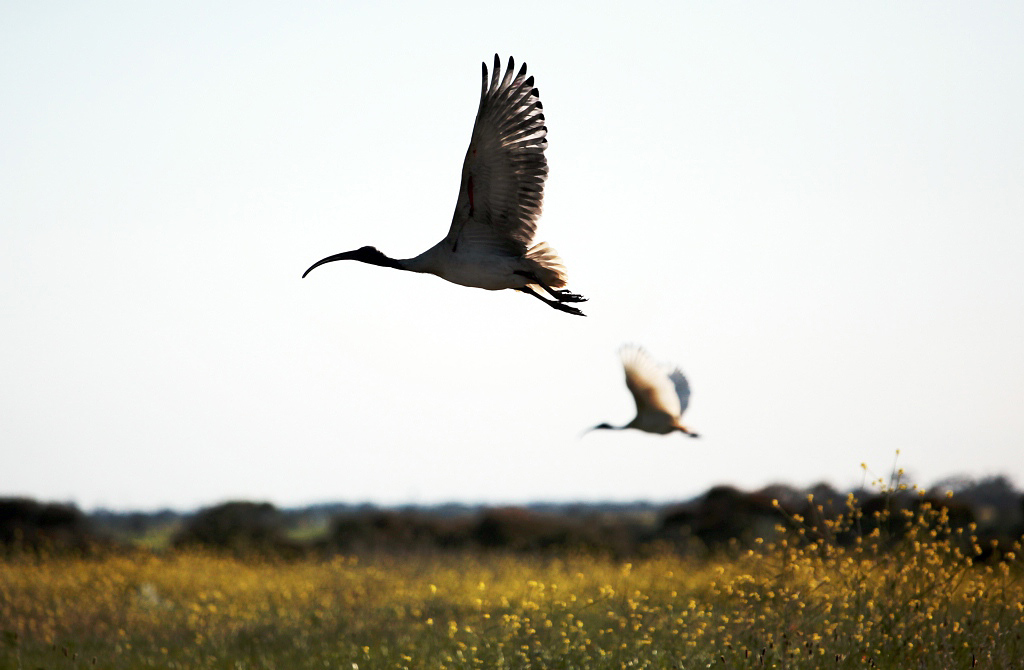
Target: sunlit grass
[(800, 601), (897, 588), (157, 538)]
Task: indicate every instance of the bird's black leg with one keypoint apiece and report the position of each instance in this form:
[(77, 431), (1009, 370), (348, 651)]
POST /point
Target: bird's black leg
[(552, 303), (560, 295)]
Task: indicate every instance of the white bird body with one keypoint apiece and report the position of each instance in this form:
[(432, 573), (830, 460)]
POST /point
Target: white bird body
[(490, 242), (661, 395), (662, 424), (475, 270)]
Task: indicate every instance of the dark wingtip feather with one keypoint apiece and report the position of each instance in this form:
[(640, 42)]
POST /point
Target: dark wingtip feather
[(529, 81), (496, 74)]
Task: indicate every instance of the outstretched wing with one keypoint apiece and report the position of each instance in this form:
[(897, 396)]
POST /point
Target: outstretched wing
[(682, 389), (652, 389), (505, 168)]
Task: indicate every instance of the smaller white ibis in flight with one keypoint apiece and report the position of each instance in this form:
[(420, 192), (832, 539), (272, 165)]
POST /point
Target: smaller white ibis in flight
[(661, 395), (490, 243)]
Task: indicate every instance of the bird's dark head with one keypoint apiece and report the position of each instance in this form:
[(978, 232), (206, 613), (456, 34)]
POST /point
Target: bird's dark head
[(369, 255)]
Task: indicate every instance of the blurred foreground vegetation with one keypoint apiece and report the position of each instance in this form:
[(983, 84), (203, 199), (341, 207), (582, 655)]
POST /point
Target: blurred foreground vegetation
[(900, 579)]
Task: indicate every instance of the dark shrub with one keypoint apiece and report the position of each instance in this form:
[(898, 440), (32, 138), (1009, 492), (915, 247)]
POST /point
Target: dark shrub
[(26, 524), (239, 527), (722, 515), (518, 529), (391, 530)]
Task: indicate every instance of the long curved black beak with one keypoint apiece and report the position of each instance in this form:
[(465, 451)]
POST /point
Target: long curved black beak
[(344, 256), (600, 426)]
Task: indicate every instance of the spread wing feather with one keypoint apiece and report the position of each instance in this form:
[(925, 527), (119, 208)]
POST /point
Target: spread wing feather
[(503, 175), (682, 388), (654, 390)]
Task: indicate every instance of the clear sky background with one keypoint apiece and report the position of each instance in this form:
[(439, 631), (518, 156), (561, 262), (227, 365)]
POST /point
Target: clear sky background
[(815, 209)]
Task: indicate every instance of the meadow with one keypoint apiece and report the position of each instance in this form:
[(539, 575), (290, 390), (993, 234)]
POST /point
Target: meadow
[(799, 599)]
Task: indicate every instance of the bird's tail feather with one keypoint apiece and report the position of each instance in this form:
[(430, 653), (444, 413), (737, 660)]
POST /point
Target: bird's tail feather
[(546, 265)]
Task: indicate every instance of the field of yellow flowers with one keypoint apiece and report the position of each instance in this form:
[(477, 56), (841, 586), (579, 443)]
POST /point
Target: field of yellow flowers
[(797, 600)]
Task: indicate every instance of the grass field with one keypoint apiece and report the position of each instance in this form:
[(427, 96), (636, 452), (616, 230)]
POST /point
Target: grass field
[(800, 600)]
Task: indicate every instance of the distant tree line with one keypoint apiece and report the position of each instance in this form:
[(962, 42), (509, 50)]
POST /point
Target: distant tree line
[(723, 518)]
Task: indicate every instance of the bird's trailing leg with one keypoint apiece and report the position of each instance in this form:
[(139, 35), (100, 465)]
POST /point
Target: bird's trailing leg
[(552, 303), (560, 295)]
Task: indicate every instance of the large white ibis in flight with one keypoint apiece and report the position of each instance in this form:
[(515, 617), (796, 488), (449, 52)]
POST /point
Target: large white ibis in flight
[(661, 395), (490, 242)]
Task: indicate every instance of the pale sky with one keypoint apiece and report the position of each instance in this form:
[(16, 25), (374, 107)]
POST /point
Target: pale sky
[(815, 209)]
